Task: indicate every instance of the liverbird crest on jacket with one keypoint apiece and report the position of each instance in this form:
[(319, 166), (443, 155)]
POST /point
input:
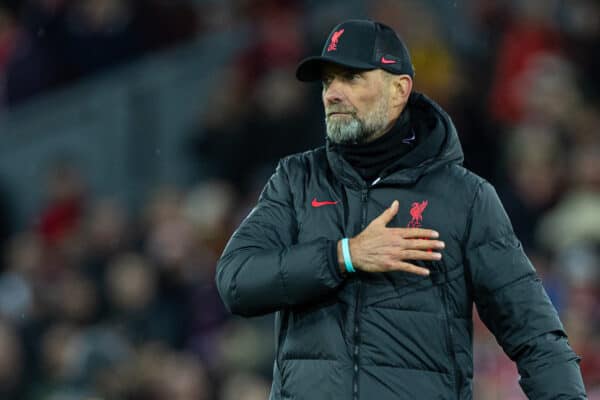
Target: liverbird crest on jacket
[(416, 212)]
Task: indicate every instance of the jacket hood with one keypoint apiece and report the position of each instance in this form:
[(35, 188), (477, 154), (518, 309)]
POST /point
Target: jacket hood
[(438, 146)]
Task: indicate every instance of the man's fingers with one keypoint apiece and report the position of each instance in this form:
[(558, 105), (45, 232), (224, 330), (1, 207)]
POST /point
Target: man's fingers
[(419, 255), (408, 267), (389, 213), (421, 244), (409, 233)]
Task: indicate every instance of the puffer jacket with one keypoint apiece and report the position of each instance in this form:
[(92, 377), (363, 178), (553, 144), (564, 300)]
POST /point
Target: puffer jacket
[(392, 335)]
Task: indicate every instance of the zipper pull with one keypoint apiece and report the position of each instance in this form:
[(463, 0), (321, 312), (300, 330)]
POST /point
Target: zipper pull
[(376, 181)]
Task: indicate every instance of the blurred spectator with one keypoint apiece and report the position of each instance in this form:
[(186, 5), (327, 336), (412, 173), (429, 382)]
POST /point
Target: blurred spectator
[(25, 67), (277, 37), (576, 219), (23, 263), (580, 20), (530, 33), (245, 387), (242, 347), (65, 196), (106, 26), (11, 363), (184, 378), (169, 233), (59, 352), (534, 177), (136, 310), (108, 231), (59, 226), (75, 299)]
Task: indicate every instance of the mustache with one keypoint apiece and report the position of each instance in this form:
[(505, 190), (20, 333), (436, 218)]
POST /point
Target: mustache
[(334, 110)]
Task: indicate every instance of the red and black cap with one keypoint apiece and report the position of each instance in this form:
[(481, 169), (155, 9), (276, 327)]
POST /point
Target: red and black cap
[(359, 44)]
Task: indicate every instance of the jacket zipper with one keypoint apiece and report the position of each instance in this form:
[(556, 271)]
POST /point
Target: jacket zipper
[(364, 199), (356, 350), (448, 327)]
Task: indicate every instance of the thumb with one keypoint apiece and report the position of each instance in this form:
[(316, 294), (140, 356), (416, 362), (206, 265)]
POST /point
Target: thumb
[(389, 213)]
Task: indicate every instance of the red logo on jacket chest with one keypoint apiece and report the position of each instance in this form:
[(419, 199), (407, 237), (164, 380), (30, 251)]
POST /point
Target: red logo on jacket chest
[(416, 212), (315, 203)]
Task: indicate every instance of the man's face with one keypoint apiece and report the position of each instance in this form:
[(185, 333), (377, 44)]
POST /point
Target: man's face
[(356, 104)]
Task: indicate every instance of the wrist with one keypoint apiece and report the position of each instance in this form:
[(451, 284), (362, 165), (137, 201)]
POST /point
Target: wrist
[(346, 255), (340, 259)]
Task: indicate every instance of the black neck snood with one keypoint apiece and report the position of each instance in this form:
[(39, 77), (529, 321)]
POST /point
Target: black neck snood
[(370, 159)]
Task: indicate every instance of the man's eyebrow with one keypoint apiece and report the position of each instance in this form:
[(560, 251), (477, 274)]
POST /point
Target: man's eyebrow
[(354, 70)]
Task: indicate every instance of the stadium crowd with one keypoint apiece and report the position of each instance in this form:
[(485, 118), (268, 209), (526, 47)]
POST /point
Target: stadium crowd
[(46, 44), (97, 301)]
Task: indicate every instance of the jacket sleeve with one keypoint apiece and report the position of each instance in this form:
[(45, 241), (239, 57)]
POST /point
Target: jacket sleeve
[(513, 304), (263, 268)]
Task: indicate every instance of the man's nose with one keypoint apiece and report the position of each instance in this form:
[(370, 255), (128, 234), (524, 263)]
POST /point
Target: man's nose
[(333, 93)]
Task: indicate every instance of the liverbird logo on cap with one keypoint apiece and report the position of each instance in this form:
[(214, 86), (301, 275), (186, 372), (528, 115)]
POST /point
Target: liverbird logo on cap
[(416, 212), (334, 40)]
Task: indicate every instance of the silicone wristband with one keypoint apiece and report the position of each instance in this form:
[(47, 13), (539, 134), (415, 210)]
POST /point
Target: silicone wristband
[(347, 258)]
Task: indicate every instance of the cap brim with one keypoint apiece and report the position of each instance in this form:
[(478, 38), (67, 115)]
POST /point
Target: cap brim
[(310, 69)]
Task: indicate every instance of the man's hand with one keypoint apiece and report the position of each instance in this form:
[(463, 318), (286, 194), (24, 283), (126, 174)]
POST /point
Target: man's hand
[(381, 249)]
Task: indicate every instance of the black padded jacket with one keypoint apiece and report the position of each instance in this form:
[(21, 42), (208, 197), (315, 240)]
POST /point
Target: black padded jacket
[(392, 335)]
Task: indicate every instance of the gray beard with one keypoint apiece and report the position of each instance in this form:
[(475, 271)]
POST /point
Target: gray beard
[(353, 130)]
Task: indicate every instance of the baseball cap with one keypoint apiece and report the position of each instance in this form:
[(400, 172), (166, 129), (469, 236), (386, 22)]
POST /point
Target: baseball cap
[(359, 44)]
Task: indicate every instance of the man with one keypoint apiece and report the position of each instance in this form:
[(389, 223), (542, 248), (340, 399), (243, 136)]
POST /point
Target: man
[(372, 249)]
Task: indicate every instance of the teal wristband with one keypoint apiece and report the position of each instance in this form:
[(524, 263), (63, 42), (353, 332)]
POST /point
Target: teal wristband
[(347, 258)]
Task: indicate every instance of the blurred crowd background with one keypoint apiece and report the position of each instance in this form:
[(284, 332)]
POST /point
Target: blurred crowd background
[(102, 297)]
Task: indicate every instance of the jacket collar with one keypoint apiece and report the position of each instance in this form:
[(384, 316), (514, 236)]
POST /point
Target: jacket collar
[(439, 145)]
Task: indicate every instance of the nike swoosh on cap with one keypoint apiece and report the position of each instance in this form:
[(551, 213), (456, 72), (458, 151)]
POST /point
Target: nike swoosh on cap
[(386, 61)]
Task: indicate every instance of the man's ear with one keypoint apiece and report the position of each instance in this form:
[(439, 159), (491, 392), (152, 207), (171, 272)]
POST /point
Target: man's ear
[(401, 89)]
